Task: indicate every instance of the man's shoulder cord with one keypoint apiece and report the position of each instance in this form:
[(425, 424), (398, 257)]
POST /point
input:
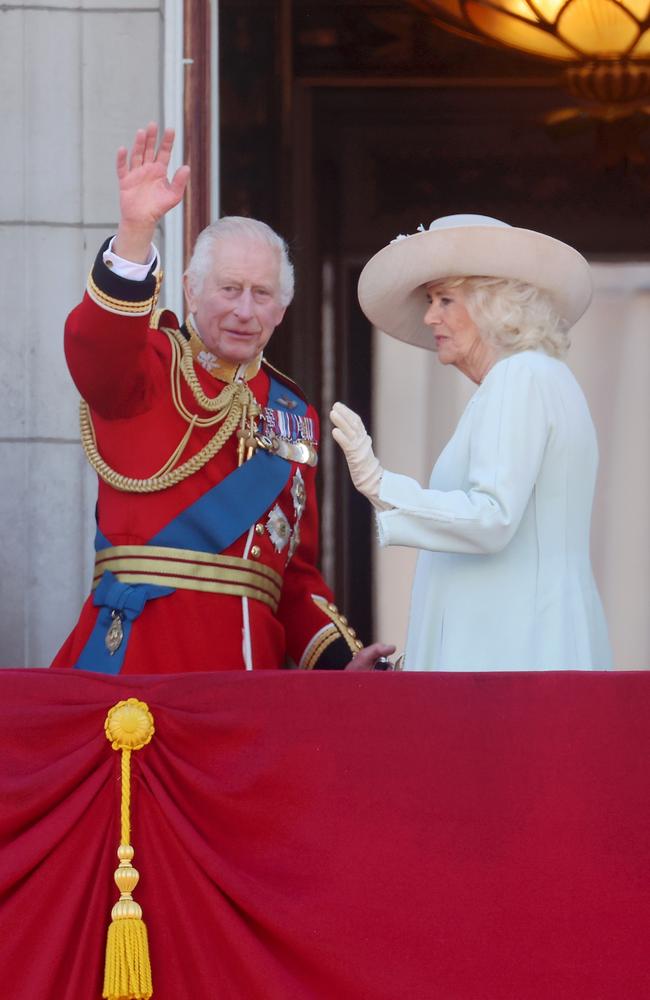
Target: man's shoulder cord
[(229, 408)]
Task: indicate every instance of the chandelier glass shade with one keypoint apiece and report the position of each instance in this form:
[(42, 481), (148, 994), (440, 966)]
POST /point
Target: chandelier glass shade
[(603, 44), (565, 30)]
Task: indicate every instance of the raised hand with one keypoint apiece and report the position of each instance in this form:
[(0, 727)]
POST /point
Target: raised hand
[(146, 194), (356, 444)]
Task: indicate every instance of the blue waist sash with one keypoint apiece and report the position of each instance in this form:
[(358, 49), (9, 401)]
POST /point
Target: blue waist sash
[(126, 600)]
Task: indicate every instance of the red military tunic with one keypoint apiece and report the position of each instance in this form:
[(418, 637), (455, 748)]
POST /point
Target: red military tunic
[(281, 608)]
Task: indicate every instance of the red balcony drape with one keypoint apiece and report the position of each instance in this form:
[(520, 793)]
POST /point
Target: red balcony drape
[(334, 836)]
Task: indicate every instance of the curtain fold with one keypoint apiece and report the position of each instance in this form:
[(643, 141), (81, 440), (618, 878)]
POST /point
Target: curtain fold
[(333, 836)]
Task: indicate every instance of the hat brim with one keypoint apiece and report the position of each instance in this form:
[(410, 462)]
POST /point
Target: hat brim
[(392, 290)]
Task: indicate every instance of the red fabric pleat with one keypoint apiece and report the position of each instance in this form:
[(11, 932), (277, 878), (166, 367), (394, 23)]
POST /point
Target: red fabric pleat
[(333, 836)]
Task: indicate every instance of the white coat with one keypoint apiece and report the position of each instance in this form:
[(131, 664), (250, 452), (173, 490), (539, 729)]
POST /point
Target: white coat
[(505, 579)]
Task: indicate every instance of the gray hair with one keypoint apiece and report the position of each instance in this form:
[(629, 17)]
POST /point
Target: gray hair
[(513, 315), (202, 262)]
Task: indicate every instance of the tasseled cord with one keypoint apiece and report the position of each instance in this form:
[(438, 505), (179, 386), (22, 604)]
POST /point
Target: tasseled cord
[(127, 973)]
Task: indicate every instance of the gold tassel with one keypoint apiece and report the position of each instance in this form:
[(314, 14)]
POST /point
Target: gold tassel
[(127, 972)]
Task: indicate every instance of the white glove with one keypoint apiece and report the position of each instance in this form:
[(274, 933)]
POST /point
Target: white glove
[(356, 444)]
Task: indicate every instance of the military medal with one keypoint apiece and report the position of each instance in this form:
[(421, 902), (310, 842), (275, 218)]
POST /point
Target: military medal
[(278, 528), (299, 494), (299, 497), (115, 634), (288, 435), (295, 540), (300, 452), (281, 447)]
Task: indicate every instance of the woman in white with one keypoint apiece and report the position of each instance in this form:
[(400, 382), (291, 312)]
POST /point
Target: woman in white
[(504, 581)]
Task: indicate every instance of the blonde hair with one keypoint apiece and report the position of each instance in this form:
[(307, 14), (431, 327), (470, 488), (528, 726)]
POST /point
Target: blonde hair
[(512, 315)]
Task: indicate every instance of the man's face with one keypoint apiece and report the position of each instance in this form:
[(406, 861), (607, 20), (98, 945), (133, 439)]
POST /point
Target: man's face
[(238, 307)]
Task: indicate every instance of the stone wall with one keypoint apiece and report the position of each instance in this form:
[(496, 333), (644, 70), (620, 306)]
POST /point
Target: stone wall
[(76, 79)]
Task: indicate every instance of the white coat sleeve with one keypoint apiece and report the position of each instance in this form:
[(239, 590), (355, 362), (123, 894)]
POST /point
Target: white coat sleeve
[(510, 425)]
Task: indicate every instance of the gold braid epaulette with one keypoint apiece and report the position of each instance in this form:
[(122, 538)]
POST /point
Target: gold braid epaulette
[(228, 408)]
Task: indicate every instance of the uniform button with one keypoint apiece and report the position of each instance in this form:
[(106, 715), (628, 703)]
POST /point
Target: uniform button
[(352, 633), (333, 607), (255, 552), (259, 529), (343, 620), (358, 644)]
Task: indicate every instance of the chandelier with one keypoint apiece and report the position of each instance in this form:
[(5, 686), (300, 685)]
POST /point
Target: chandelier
[(604, 45)]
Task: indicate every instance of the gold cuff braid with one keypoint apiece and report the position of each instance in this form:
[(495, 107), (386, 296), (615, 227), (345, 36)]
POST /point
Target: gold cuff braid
[(318, 645)]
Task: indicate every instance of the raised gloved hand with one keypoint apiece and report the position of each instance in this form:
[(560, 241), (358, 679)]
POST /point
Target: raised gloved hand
[(356, 444)]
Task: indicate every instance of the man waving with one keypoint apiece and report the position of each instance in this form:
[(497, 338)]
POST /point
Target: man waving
[(207, 526)]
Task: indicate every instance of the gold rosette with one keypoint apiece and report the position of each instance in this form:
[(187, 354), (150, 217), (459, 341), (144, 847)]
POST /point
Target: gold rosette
[(129, 725)]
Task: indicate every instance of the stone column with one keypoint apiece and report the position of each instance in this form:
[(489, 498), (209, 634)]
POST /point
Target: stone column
[(75, 82)]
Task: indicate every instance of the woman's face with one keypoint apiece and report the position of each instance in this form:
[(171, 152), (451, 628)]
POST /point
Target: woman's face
[(457, 336)]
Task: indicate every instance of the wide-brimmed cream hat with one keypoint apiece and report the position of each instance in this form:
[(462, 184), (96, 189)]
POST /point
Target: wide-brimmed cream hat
[(391, 286)]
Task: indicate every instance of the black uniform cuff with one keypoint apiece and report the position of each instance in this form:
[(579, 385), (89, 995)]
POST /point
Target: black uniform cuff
[(335, 657), (121, 295)]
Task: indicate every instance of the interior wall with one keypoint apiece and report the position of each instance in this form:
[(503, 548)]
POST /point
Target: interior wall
[(417, 404)]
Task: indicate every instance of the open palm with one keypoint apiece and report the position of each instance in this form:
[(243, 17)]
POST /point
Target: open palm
[(146, 194)]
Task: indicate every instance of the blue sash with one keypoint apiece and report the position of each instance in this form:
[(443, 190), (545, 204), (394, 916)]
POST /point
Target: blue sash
[(210, 524), (220, 516), (126, 598)]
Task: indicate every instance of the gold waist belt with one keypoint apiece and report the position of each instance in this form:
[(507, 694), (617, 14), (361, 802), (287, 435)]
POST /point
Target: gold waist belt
[(185, 569)]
